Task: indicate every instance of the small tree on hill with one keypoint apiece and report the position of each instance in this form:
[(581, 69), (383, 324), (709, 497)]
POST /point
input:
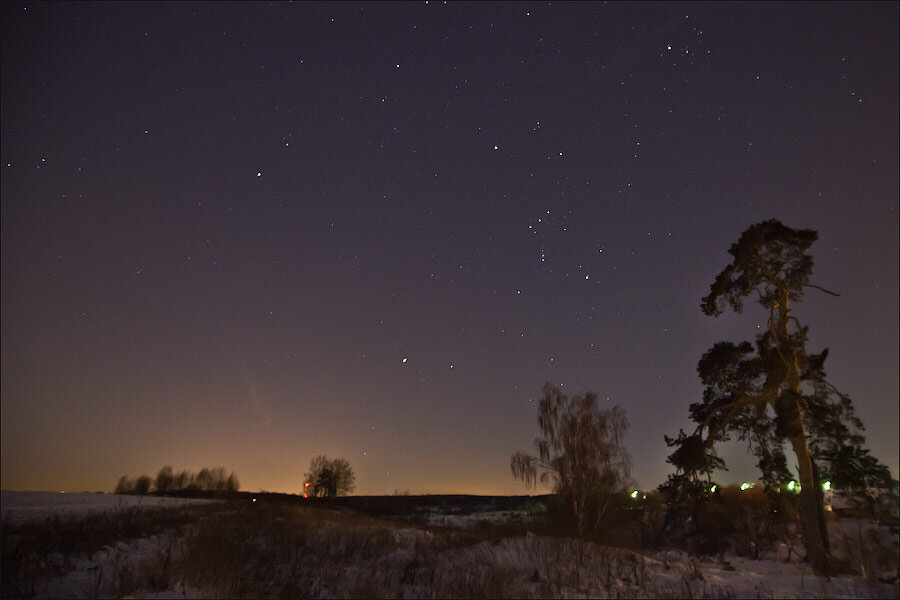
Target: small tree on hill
[(329, 478), (581, 454), (774, 391)]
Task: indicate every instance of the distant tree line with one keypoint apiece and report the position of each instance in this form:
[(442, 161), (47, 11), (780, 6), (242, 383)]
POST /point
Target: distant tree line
[(167, 481)]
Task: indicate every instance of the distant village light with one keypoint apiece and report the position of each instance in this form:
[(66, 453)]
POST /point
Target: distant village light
[(746, 486), (826, 486), (634, 495)]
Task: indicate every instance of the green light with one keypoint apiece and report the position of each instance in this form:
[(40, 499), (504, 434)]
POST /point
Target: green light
[(746, 486), (713, 489), (791, 485), (634, 495), (826, 486)]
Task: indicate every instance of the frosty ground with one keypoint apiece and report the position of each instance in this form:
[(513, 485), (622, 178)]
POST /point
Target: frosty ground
[(19, 506), (105, 545)]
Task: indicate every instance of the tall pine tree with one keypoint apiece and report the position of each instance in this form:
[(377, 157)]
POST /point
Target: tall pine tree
[(775, 392)]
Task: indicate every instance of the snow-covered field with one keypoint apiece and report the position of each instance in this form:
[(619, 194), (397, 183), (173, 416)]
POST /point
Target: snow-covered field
[(257, 551), (26, 505)]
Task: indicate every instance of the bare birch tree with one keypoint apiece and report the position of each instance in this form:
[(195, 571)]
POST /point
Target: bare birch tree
[(581, 454)]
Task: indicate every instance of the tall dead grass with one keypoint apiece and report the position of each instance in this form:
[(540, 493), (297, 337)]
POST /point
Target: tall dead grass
[(245, 549), (35, 550)]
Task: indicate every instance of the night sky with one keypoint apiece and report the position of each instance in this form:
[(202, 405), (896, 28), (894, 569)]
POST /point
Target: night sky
[(248, 234)]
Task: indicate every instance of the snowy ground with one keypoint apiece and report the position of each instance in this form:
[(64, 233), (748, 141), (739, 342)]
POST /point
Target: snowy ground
[(471, 521), (17, 506), (404, 560)]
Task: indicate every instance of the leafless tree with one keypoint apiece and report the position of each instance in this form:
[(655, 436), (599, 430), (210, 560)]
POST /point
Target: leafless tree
[(329, 477), (165, 480), (581, 454)]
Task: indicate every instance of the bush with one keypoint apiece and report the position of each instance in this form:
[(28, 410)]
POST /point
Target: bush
[(746, 522), (537, 509)]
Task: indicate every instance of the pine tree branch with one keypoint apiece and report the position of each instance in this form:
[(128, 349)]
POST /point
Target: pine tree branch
[(734, 407), (768, 274), (820, 288)]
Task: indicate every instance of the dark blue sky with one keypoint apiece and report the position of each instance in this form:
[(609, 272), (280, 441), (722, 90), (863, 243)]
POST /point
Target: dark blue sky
[(248, 234)]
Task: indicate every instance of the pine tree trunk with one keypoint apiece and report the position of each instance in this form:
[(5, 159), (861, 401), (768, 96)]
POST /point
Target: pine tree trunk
[(820, 507), (813, 535)]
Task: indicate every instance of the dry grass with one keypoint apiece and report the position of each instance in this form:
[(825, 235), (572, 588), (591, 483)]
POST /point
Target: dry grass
[(277, 550), (289, 550), (38, 549)]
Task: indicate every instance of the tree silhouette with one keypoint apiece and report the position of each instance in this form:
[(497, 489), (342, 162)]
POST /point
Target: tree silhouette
[(581, 454), (205, 480), (142, 485), (232, 484), (326, 485), (165, 480), (775, 391), (329, 478), (125, 485)]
